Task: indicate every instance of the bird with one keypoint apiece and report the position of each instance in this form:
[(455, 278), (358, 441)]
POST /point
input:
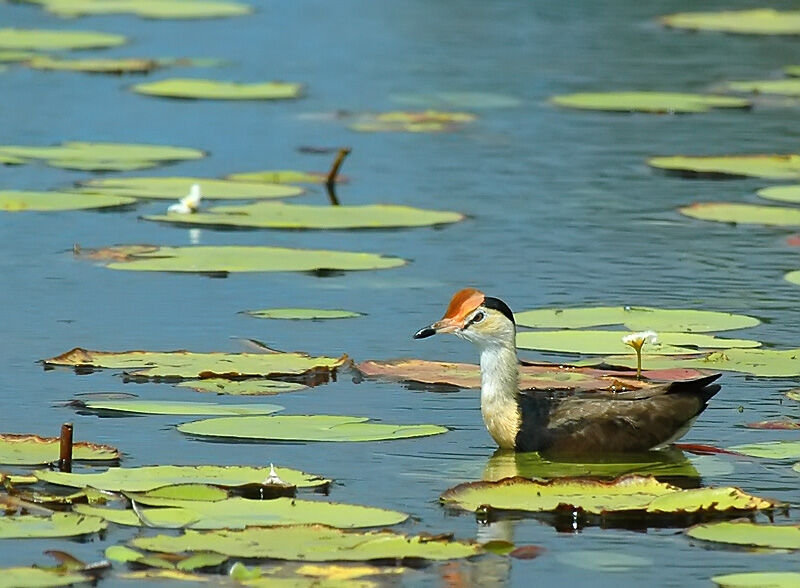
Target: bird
[(596, 422), (188, 204)]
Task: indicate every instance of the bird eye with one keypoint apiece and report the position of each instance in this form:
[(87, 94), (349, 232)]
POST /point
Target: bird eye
[(478, 317)]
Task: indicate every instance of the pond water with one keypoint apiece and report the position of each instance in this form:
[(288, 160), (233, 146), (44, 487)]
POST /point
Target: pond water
[(562, 211)]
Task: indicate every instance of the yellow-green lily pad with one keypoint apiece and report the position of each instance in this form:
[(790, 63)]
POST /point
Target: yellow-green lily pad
[(196, 88), (59, 524), (20, 577), (302, 313), (770, 166), (282, 176), (177, 407), (748, 533), (650, 102), (766, 363), (770, 449), (122, 554), (306, 428), (10, 56), (248, 387), (96, 65), (35, 450), (749, 214), (147, 478), (790, 87), (172, 188), (54, 40), (789, 193), (426, 121), (311, 543), (758, 580), (156, 9), (279, 215), (760, 21), (19, 201), (793, 277)]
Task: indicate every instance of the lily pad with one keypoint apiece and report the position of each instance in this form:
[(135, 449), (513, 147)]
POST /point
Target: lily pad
[(39, 577), (279, 215), (427, 121), (202, 492), (761, 21), (186, 364), (306, 428), (147, 478), (793, 277), (651, 102), (770, 449), (766, 363), (249, 387), (172, 188), (18, 201), (790, 87), (178, 407), (758, 580), (468, 100), (302, 313), (774, 167), (641, 494), (157, 9), (282, 176), (97, 65), (195, 88), (311, 543), (783, 425), (748, 214), (35, 450), (122, 554), (47, 40), (781, 193), (9, 56), (610, 342), (60, 524), (238, 513), (748, 533)]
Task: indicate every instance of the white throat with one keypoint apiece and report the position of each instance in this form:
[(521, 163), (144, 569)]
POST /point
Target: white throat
[(500, 392)]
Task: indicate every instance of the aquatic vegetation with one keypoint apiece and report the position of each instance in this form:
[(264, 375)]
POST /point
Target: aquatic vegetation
[(745, 532), (203, 89), (770, 449), (56, 40), (426, 121), (35, 450), (248, 387), (760, 21), (756, 579), (129, 65), (175, 407), (770, 166), (767, 363), (726, 212), (170, 188), (19, 201), (302, 314), (59, 524), (283, 176), (156, 9), (637, 341), (790, 87), (649, 102), (34, 576)]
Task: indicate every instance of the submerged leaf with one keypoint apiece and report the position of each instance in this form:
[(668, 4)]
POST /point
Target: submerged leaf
[(60, 524), (748, 533), (760, 21), (758, 580), (47, 40), (18, 201), (775, 167), (160, 9), (172, 188), (302, 313), (652, 102), (195, 88), (178, 407), (35, 450), (748, 214), (306, 428), (249, 387)]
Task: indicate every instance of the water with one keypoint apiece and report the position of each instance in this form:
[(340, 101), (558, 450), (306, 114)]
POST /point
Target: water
[(562, 210)]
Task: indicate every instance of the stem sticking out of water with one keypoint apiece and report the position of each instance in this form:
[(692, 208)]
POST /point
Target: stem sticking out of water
[(65, 456), (330, 182)]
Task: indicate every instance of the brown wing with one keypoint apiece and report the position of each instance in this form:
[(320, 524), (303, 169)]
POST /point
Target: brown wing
[(636, 420)]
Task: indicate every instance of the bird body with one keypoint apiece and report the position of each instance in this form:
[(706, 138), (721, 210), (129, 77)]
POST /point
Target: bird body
[(596, 422)]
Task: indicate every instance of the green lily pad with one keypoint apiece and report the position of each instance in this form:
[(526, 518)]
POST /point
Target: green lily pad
[(302, 313), (250, 387), (186, 364), (9, 56), (748, 533), (758, 580), (122, 554), (306, 428), (18, 201), (202, 492), (60, 524), (173, 188), (641, 494), (310, 543), (35, 450), (238, 513), (282, 176), (195, 88), (215, 259), (427, 121), (766, 363), (651, 102), (157, 9), (793, 277), (96, 65), (635, 318), (468, 100), (178, 407), (781, 193), (775, 167), (610, 342), (770, 449), (279, 215), (20, 577), (788, 87), (749, 214), (151, 477), (761, 21), (47, 40)]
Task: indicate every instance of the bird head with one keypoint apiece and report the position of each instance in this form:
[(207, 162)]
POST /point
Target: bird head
[(480, 319)]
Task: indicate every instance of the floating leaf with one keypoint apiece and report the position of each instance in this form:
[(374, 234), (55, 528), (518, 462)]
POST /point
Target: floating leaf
[(645, 495), (781, 193), (250, 387), (652, 102), (167, 575), (96, 65), (282, 176), (635, 318), (18, 201), (766, 363), (610, 342), (427, 121), (784, 425), (770, 449), (302, 313), (35, 450), (7, 56), (151, 477), (758, 580), (306, 428), (777, 87), (468, 100), (178, 407), (172, 188), (39, 577), (761, 21), (60, 524), (195, 88), (775, 167), (794, 394), (187, 364), (748, 533), (748, 214), (204, 492), (159, 9), (793, 277), (46, 40), (238, 513), (311, 543), (343, 573)]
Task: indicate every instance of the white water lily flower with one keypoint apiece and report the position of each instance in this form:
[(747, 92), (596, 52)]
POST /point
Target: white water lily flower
[(189, 203), (637, 340), (273, 477)]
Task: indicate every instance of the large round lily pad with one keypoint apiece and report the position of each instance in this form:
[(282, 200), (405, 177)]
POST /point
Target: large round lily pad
[(195, 88), (151, 477), (158, 9), (635, 318), (760, 21), (775, 167), (306, 428), (651, 102), (248, 387), (748, 533), (96, 65), (19, 577), (18, 201), (725, 212), (171, 188), (47, 40), (311, 543), (758, 580), (302, 313), (60, 524), (790, 87), (175, 407), (35, 450), (279, 215), (282, 176)]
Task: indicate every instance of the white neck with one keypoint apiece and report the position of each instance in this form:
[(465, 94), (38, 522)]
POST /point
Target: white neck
[(500, 392)]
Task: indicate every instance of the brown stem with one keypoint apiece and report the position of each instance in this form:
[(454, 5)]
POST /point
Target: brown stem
[(65, 456), (330, 182)]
